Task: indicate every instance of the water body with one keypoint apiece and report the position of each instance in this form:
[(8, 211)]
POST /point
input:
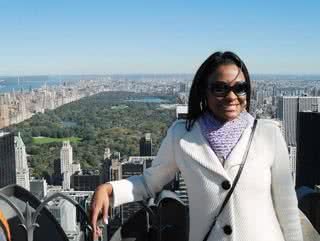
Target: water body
[(69, 124), (149, 100), (26, 83)]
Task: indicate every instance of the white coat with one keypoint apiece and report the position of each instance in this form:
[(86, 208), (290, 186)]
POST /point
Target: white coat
[(263, 206)]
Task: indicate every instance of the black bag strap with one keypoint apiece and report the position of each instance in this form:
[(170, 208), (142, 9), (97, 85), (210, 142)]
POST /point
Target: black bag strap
[(244, 158)]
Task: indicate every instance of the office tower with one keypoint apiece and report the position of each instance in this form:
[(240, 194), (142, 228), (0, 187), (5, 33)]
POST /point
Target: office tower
[(56, 175), (181, 111), (146, 145), (179, 184), (134, 166), (308, 203), (66, 183), (65, 213), (260, 97), (288, 107), (182, 87), (66, 157), (21, 111), (39, 187), (105, 170), (115, 170), (308, 152), (105, 166), (86, 181), (115, 173), (107, 153), (287, 111), (22, 170), (4, 116), (67, 167), (75, 167), (7, 159), (116, 155), (293, 158)]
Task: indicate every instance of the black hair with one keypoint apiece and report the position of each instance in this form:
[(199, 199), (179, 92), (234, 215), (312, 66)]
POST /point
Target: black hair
[(197, 97)]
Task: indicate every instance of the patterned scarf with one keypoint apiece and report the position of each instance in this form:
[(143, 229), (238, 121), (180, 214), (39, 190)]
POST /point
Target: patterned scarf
[(223, 136)]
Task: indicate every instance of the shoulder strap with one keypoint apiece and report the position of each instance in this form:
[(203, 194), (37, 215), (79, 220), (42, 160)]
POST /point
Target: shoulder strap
[(244, 159)]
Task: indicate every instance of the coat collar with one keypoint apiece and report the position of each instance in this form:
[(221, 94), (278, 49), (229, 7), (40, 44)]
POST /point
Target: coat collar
[(194, 144)]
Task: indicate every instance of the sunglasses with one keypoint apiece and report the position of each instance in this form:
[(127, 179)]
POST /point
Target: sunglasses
[(221, 89)]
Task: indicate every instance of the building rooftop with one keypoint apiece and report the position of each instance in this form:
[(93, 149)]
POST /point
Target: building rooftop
[(139, 159), (2, 133)]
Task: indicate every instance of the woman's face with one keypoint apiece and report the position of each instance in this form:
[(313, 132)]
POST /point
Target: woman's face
[(227, 107)]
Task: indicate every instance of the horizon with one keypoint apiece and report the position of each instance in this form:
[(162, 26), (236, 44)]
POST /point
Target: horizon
[(168, 37), (141, 74)]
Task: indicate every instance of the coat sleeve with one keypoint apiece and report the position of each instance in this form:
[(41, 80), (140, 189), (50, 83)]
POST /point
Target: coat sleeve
[(161, 172), (283, 193)]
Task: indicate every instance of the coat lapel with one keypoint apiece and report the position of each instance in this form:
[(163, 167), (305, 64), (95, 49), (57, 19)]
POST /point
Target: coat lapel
[(236, 155), (196, 146)]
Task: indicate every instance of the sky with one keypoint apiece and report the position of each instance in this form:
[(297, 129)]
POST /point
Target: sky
[(132, 37)]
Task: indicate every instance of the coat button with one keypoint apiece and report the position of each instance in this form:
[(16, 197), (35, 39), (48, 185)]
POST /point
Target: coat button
[(226, 185), (227, 229)]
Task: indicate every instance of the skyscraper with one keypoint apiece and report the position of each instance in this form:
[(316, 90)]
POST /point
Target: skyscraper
[(293, 159), (179, 184), (22, 170), (308, 152), (146, 145), (115, 173), (288, 107), (65, 213), (115, 170), (105, 166), (134, 166), (56, 175), (66, 157), (4, 116), (181, 111), (67, 167), (86, 181), (7, 159), (39, 187)]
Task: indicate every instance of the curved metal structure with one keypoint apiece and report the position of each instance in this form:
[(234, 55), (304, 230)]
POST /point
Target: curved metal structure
[(47, 199), (29, 220), (13, 206)]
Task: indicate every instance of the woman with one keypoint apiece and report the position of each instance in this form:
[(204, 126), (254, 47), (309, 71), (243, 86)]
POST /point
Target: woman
[(208, 149)]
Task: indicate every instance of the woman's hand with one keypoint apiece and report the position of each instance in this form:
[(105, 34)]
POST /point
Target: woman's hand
[(100, 204)]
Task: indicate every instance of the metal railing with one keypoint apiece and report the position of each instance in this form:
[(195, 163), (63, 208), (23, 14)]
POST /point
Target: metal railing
[(28, 220)]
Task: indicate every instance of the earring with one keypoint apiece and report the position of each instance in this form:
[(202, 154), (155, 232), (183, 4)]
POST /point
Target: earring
[(203, 104)]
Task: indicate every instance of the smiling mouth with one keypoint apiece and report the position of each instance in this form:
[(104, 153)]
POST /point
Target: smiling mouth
[(229, 107)]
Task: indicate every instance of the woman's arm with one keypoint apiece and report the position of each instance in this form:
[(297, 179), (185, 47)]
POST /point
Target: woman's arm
[(283, 193), (135, 188), (161, 172)]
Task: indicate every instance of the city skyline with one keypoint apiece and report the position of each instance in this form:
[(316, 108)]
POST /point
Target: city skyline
[(66, 37), (74, 178)]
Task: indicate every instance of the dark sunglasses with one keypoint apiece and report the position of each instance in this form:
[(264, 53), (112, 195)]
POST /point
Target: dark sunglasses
[(221, 89)]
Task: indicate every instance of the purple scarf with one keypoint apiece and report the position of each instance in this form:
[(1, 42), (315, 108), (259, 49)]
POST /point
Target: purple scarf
[(223, 136)]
